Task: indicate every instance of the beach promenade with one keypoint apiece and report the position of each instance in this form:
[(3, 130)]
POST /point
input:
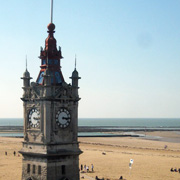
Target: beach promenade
[(110, 157)]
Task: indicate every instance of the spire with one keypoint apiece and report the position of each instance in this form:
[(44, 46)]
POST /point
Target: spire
[(26, 62), (75, 62), (50, 49), (26, 76), (75, 73), (50, 44), (26, 73), (51, 57), (51, 11), (75, 77)]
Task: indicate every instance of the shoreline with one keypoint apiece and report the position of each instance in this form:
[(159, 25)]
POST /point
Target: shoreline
[(104, 128), (160, 136)]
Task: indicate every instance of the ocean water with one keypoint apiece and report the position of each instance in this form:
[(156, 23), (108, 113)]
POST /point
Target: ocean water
[(111, 122), (130, 122), (125, 124)]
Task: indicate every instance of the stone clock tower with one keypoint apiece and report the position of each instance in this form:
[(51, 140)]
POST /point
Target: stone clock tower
[(50, 148)]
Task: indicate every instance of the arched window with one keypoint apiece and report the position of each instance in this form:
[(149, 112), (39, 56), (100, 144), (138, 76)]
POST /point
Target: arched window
[(28, 168)]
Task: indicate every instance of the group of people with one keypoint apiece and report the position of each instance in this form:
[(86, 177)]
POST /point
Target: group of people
[(13, 153), (175, 170), (86, 168)]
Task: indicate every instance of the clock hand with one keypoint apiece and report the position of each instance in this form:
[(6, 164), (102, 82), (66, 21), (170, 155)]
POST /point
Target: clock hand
[(65, 118), (36, 118)]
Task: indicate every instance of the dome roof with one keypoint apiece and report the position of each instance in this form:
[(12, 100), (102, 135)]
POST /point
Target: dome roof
[(75, 74), (26, 74)]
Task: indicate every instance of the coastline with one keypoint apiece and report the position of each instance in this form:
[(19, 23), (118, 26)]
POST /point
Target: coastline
[(104, 128), (164, 135)]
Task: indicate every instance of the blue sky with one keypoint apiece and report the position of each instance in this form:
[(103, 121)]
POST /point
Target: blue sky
[(128, 53)]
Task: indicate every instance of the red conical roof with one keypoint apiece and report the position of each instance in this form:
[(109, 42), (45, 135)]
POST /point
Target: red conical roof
[(50, 57)]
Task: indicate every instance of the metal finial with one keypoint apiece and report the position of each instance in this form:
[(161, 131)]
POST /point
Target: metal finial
[(51, 11), (75, 61), (26, 62)]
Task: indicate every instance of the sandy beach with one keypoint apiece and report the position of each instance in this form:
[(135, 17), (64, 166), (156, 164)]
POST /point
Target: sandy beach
[(110, 157)]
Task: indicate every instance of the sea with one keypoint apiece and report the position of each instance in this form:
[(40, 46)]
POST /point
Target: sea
[(125, 124)]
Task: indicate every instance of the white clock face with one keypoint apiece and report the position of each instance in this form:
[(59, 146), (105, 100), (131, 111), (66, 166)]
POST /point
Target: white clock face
[(63, 118), (34, 118)]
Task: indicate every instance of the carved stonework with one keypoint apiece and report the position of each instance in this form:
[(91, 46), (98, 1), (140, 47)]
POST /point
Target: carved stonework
[(42, 137), (36, 136), (33, 105), (36, 91), (44, 173), (26, 137)]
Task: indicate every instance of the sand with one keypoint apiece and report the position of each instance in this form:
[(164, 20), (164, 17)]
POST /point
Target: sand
[(110, 157)]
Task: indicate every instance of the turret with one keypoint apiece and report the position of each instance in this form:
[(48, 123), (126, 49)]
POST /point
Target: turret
[(26, 77), (75, 78)]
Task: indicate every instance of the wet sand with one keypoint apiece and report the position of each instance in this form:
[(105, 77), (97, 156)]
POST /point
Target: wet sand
[(110, 157)]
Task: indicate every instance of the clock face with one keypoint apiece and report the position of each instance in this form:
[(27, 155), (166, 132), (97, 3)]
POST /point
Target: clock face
[(34, 118), (63, 118)]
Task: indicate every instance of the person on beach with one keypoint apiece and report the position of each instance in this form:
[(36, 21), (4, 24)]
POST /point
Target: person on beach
[(87, 168), (81, 167), (84, 168), (92, 167), (6, 153), (172, 170), (14, 153)]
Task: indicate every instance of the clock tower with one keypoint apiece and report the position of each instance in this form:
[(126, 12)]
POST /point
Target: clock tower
[(50, 148)]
